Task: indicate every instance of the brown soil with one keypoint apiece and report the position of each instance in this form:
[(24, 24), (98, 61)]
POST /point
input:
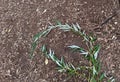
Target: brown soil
[(20, 20)]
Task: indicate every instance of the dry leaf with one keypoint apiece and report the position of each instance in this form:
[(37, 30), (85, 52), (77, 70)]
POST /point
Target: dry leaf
[(46, 61)]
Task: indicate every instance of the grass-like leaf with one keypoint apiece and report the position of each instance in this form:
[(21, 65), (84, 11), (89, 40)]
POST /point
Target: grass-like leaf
[(102, 77), (93, 79), (36, 38), (79, 49), (96, 51), (91, 54)]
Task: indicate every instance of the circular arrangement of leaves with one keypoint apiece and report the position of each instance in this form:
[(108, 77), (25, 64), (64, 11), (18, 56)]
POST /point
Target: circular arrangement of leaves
[(91, 54)]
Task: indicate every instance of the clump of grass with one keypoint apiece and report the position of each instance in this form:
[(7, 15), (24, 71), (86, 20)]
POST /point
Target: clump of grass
[(91, 54)]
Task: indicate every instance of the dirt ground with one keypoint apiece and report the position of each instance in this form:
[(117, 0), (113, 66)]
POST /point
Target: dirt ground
[(20, 20)]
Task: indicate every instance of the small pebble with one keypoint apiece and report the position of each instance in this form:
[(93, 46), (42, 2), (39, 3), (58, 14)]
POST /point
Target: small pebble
[(114, 37), (115, 23)]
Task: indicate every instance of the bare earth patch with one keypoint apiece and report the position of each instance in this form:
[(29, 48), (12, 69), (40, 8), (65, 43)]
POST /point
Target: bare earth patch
[(20, 20)]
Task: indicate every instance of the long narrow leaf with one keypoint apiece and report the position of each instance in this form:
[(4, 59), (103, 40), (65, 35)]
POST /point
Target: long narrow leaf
[(78, 26), (75, 27), (102, 77), (33, 48), (77, 48), (96, 51)]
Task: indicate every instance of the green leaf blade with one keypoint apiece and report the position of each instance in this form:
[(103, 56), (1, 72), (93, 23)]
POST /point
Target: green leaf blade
[(96, 51)]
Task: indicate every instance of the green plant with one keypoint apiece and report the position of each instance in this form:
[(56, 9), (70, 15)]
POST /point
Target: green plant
[(91, 54)]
